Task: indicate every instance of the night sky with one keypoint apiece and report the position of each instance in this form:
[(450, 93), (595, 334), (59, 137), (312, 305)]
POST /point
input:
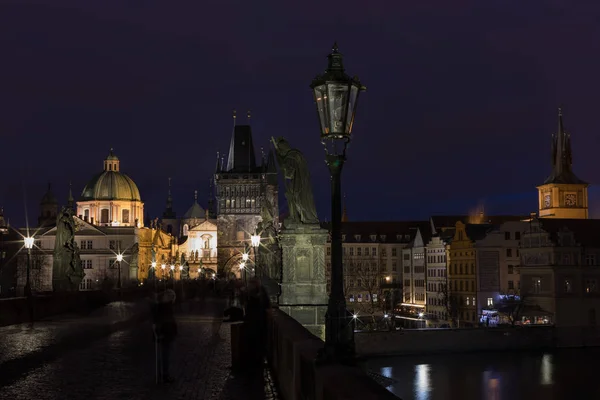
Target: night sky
[(460, 106)]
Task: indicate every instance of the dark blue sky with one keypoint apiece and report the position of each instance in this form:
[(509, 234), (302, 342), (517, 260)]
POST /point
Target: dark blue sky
[(460, 107)]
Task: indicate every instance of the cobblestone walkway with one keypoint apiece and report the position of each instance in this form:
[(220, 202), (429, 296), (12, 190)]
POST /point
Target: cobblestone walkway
[(122, 365)]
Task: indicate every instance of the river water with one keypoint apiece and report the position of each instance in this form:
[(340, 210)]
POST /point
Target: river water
[(556, 375)]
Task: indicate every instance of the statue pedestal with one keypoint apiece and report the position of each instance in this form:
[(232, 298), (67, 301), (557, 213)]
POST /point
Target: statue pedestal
[(304, 286)]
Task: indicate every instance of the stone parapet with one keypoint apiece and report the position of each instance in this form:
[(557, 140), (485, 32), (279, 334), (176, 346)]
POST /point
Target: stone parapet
[(292, 352)]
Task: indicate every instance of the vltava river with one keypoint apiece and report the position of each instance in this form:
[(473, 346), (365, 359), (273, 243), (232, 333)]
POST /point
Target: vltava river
[(569, 374)]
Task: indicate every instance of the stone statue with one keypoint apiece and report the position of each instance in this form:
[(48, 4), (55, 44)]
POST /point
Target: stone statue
[(67, 271), (153, 252), (299, 194), (269, 248)]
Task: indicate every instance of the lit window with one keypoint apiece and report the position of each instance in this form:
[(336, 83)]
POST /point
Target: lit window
[(490, 301)]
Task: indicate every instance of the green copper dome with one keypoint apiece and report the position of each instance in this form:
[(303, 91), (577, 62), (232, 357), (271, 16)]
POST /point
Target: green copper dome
[(111, 184)]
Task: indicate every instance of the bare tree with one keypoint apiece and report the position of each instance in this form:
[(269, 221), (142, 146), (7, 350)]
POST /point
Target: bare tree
[(450, 302), (38, 263), (364, 272)]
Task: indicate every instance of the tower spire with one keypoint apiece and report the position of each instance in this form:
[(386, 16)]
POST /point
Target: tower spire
[(562, 156), (70, 200), (169, 213), (210, 211), (345, 211), (218, 167)]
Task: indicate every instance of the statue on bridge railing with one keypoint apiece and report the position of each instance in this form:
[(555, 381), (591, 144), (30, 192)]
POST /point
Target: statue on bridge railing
[(298, 190), (67, 271), (269, 254)]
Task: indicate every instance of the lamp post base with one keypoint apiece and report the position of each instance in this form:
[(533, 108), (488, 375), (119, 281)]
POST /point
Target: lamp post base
[(339, 342)]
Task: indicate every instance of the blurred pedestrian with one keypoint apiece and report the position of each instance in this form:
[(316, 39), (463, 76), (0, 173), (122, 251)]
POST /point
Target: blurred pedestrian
[(165, 331), (255, 322)]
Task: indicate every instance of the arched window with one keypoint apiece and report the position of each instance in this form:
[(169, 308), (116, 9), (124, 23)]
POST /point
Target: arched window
[(125, 216), (186, 229), (104, 216)]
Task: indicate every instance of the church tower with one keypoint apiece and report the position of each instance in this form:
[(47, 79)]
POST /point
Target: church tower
[(241, 189), (563, 195), (48, 209)]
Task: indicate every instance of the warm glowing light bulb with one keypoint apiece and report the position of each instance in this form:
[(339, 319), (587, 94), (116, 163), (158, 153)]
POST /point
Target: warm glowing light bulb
[(153, 264), (255, 239), (181, 267), (354, 316), (172, 267), (29, 240), (163, 266), (119, 257), (242, 265), (245, 256)]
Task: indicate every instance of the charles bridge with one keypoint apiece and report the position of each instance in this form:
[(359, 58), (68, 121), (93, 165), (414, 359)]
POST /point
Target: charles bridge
[(88, 329)]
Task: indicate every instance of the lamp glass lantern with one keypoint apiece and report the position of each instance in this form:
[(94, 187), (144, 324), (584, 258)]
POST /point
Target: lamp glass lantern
[(29, 240), (336, 97), (255, 240)]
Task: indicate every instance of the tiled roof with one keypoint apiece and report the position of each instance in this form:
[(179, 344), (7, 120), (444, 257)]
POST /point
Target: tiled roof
[(478, 231), (386, 231), (449, 221)]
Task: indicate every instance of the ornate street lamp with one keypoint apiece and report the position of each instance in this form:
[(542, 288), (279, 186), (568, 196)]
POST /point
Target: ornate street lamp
[(336, 96), (255, 241), (29, 240)]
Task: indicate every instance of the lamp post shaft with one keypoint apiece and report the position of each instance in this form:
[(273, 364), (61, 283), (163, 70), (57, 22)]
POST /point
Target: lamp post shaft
[(339, 342), (28, 278), (257, 267)]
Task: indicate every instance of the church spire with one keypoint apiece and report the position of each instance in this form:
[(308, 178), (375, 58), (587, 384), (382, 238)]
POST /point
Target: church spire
[(562, 156), (345, 211), (70, 200), (169, 213), (219, 166), (241, 149), (211, 200)]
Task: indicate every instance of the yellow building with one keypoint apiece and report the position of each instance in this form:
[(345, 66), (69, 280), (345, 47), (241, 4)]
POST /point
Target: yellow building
[(161, 243), (563, 194), (111, 198), (462, 276)]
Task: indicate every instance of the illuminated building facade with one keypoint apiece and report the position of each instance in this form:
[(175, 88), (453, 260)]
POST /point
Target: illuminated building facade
[(111, 198), (242, 188), (563, 194)]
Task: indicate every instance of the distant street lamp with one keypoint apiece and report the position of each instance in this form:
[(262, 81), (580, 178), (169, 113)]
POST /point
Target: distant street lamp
[(29, 240), (255, 241), (336, 95), (119, 260)]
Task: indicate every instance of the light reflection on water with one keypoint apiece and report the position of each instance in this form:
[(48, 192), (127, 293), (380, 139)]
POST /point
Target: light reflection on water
[(561, 374), (547, 369), (422, 382)]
